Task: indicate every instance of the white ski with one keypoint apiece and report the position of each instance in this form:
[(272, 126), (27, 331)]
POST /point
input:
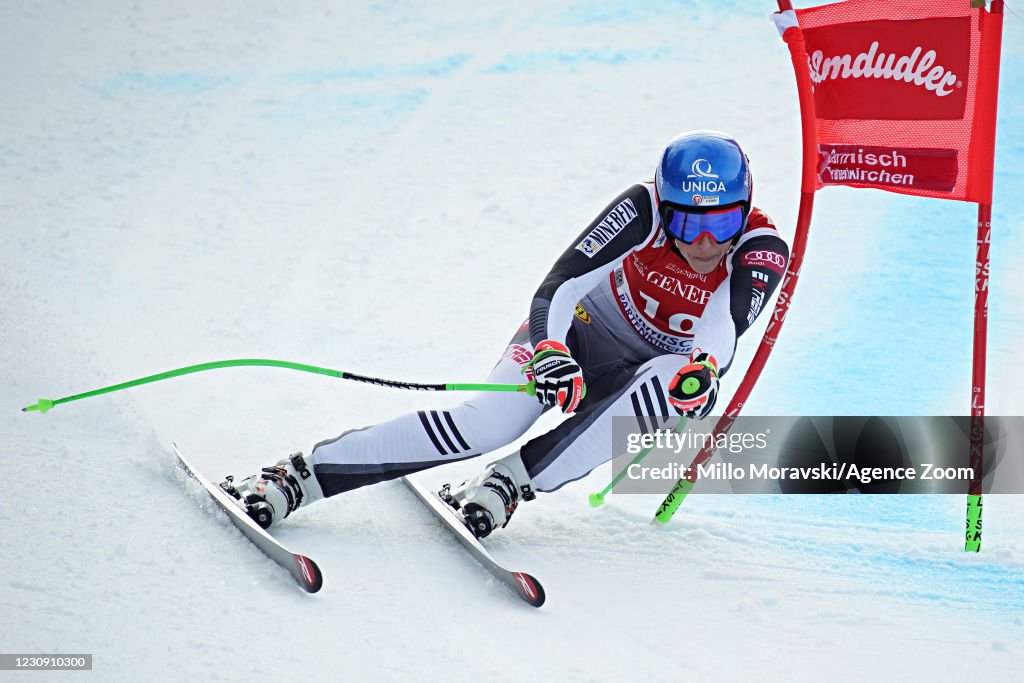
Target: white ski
[(305, 571), (525, 585)]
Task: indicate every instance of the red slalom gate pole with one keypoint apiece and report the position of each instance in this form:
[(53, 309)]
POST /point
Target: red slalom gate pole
[(972, 536), (972, 540)]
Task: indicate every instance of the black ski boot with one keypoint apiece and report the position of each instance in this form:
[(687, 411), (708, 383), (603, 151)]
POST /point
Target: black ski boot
[(488, 501), (276, 491)]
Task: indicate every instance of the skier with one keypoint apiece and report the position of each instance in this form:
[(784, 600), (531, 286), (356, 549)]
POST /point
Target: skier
[(654, 292)]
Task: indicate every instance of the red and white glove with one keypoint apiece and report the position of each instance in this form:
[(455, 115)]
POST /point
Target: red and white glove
[(558, 378), (692, 392)]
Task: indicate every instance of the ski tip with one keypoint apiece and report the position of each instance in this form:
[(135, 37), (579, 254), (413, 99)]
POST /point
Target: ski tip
[(529, 589), (309, 574)]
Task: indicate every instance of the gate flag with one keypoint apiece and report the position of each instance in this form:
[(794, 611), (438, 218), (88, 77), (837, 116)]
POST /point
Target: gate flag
[(905, 95)]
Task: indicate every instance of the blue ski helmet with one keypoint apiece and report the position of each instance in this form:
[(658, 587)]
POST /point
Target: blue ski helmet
[(702, 175)]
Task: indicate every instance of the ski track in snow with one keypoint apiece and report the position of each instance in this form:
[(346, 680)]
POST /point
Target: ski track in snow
[(379, 187)]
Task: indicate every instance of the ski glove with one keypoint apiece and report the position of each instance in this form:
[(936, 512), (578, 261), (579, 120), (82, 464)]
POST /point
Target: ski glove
[(558, 378), (692, 392)]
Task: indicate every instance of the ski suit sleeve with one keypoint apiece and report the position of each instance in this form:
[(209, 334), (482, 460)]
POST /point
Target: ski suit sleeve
[(624, 224), (757, 265)]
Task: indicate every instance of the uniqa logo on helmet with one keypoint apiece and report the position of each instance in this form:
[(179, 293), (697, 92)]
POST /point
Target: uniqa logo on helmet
[(705, 181)]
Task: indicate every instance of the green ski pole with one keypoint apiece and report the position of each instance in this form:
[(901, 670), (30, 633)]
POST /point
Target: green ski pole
[(45, 404), (597, 499)]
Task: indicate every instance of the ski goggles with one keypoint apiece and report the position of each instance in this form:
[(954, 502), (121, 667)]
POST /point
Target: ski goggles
[(722, 224)]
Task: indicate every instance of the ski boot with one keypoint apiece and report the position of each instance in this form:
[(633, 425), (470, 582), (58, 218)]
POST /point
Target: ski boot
[(276, 491), (488, 501)]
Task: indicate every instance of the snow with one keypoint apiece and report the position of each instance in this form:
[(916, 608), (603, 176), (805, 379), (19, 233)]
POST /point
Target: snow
[(359, 186)]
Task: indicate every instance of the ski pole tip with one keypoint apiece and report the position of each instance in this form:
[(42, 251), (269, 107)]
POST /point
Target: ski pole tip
[(42, 406), (596, 500)]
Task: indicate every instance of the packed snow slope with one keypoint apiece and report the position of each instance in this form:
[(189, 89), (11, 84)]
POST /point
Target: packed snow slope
[(380, 187)]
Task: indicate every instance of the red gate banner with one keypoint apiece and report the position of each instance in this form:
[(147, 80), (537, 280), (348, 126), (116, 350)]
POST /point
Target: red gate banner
[(905, 95)]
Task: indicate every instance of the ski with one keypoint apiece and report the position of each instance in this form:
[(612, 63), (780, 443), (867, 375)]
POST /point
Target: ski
[(525, 585), (303, 569)]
